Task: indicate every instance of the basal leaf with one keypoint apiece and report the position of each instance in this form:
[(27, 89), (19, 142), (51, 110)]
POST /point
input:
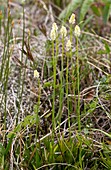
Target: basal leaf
[(96, 10), (85, 6), (2, 149), (106, 12), (70, 9), (107, 48)]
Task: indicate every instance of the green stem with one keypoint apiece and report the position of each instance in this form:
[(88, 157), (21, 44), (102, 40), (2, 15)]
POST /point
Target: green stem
[(38, 105), (78, 90), (72, 71), (71, 33), (61, 82), (54, 86), (67, 88), (53, 103)]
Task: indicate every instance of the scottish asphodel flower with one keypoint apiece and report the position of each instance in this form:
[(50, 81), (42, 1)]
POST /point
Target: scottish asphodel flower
[(53, 33), (36, 74), (72, 19), (23, 1), (63, 31), (54, 27), (68, 45), (77, 31)]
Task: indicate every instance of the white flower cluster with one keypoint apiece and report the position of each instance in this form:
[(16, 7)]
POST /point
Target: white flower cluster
[(72, 19), (53, 33), (36, 74), (23, 1), (68, 45), (63, 31), (77, 31)]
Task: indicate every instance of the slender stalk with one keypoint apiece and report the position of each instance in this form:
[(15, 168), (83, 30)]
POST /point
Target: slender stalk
[(67, 87), (72, 70), (78, 90), (37, 116), (53, 102), (71, 32), (38, 105), (54, 86), (61, 82)]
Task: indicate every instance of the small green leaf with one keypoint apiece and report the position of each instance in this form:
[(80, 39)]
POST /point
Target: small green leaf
[(47, 84), (2, 149), (106, 51), (107, 48), (102, 52), (2, 152), (96, 10)]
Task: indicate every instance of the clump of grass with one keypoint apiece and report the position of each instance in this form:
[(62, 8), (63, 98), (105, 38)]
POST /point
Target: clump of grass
[(5, 63)]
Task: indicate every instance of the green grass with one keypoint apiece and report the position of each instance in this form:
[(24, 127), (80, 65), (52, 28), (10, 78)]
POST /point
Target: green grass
[(68, 124)]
